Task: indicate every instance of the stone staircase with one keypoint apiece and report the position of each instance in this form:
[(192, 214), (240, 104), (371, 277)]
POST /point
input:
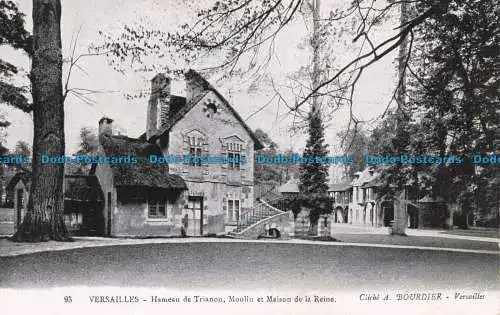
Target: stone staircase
[(266, 191), (259, 214)]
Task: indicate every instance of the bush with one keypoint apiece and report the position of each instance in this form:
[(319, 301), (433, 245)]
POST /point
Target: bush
[(319, 204)]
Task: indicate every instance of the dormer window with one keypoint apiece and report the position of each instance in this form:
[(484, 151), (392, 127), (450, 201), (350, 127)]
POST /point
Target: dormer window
[(195, 146), (233, 148), (234, 155)]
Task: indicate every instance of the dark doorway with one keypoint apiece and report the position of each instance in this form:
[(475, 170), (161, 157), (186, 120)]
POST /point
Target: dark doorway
[(195, 205), (20, 206), (413, 214), (109, 215), (388, 210), (94, 220)]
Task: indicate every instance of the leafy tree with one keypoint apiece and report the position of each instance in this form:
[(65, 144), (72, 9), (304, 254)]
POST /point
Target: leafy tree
[(88, 142), (355, 143), (88, 146), (457, 89), (314, 176), (265, 173), (13, 34), (452, 97), (22, 148), (273, 173)]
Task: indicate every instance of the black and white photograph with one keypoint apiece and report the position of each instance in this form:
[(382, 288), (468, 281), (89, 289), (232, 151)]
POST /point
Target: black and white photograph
[(249, 157)]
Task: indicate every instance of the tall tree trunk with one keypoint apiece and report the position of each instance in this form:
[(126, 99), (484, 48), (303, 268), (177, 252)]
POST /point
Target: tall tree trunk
[(315, 42), (44, 219), (400, 206)]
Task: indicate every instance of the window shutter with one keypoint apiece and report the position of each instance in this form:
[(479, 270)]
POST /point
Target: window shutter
[(205, 151), (185, 143), (185, 149), (205, 146), (243, 157), (224, 156)]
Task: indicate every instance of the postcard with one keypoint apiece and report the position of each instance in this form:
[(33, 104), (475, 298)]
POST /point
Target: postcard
[(249, 157)]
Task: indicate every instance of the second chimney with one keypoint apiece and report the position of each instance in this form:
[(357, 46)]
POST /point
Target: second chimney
[(159, 105), (105, 126)]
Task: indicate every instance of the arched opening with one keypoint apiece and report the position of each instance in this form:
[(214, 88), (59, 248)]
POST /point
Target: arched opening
[(339, 215), (372, 217), (364, 213)]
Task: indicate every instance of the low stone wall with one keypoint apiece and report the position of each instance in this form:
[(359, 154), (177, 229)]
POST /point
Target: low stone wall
[(7, 214), (322, 228), (301, 226), (282, 221), (325, 224)]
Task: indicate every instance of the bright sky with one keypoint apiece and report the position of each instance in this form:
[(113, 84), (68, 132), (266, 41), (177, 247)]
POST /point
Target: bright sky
[(372, 95)]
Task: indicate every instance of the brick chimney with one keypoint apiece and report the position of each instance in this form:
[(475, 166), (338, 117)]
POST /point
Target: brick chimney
[(105, 126), (195, 85), (159, 105)]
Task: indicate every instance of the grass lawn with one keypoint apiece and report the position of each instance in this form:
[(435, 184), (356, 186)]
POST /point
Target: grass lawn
[(251, 266), (474, 231)]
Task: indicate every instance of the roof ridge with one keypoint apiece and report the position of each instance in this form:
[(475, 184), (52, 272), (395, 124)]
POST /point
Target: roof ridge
[(207, 86)]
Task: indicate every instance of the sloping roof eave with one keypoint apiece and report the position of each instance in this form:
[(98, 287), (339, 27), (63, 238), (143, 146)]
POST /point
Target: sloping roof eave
[(339, 187)]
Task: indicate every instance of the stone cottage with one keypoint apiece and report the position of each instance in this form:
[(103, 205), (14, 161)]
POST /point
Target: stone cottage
[(342, 196), (369, 208), (82, 202), (142, 198)]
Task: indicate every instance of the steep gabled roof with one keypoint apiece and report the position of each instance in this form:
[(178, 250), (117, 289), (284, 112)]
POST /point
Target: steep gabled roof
[(374, 182), (179, 107), (141, 174), (25, 177), (292, 186), (365, 176), (339, 187)]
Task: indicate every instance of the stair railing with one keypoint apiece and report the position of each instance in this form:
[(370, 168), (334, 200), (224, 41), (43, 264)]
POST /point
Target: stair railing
[(253, 215)]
